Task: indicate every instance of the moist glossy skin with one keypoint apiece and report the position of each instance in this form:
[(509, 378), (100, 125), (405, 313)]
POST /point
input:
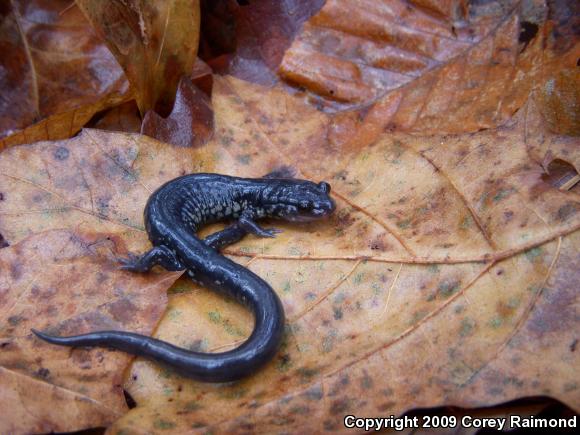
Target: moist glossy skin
[(172, 216)]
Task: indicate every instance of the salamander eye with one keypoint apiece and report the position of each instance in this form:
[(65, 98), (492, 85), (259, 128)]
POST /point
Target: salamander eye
[(324, 186)]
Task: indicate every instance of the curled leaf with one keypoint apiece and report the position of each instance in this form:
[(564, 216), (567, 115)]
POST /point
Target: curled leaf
[(155, 42), (190, 122)]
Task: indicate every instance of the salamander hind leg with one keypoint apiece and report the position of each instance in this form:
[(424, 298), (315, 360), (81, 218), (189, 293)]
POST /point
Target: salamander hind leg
[(159, 255)]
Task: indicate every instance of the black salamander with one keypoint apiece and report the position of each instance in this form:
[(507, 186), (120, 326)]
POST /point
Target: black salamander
[(172, 216)]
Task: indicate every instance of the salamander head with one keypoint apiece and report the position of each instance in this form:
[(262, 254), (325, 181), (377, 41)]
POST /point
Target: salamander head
[(300, 200)]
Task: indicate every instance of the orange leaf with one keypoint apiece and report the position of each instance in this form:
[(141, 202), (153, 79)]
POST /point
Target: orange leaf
[(455, 70)]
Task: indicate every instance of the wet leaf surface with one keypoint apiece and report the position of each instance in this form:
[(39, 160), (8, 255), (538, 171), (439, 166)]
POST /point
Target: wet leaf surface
[(263, 30), (122, 118), (190, 122), (56, 73), (447, 276), (454, 269), (97, 180), (65, 282), (67, 215), (155, 42), (452, 69)]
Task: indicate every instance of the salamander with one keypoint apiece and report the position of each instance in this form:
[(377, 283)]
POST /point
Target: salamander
[(172, 216)]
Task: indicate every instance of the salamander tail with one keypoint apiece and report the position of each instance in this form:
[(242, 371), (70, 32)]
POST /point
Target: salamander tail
[(92, 339)]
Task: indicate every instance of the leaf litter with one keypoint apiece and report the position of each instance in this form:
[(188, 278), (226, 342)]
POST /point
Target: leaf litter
[(450, 259), (56, 72)]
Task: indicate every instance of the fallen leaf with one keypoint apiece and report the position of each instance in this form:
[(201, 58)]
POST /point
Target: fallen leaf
[(67, 214), (80, 194), (56, 73), (456, 70), (445, 270), (62, 282), (190, 122), (448, 256), (97, 180), (560, 98), (264, 29), (122, 118), (450, 264), (155, 42)]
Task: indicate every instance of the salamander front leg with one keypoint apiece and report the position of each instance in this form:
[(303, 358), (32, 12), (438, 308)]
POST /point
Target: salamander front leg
[(247, 223), (159, 255), (228, 236)]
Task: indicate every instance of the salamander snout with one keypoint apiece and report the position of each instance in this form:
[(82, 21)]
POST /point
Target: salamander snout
[(300, 200), (323, 207), (324, 187), (311, 201)]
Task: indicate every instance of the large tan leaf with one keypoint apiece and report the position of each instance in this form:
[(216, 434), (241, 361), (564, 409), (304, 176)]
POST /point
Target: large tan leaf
[(376, 348), (68, 209), (455, 241), (95, 180), (452, 68), (154, 41), (448, 257), (62, 281), (56, 73)]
